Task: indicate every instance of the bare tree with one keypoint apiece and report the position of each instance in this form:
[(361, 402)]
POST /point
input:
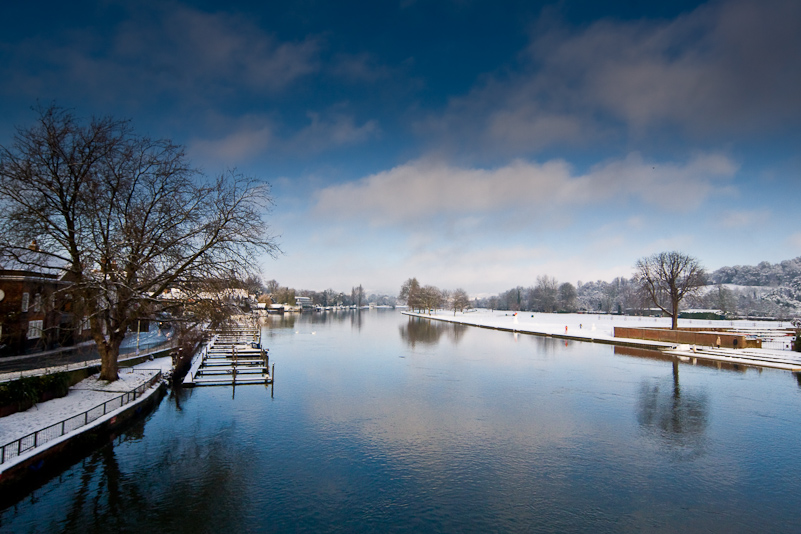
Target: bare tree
[(431, 298), (357, 295), (545, 294), (459, 300), (410, 292), (567, 297), (667, 278), (127, 218)]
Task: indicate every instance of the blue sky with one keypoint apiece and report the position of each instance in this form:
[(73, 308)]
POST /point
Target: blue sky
[(470, 144)]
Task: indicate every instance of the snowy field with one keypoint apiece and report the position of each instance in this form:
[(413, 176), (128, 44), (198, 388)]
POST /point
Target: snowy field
[(589, 326), (82, 396)]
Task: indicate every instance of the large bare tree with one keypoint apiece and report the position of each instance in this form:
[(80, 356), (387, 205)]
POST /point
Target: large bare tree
[(667, 278), (127, 218)]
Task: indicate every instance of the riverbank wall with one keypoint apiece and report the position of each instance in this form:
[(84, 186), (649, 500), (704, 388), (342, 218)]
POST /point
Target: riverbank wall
[(26, 472), (686, 336)]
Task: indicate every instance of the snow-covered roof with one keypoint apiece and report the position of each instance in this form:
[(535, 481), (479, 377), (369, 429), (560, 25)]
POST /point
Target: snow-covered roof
[(33, 262)]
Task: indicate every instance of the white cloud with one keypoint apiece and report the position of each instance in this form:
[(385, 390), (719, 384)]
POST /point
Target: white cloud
[(724, 69), (744, 218), (335, 130), (245, 142), (250, 136), (223, 49), (428, 191), (359, 68), (162, 50)]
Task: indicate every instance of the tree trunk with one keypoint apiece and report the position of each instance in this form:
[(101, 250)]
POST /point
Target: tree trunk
[(108, 363), (109, 354), (675, 316)]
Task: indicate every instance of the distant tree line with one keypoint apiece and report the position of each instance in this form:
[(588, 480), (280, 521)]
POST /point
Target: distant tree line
[(428, 298), (784, 273), (272, 292), (763, 290)]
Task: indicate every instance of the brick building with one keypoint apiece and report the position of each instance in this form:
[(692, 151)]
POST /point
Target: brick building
[(34, 314)]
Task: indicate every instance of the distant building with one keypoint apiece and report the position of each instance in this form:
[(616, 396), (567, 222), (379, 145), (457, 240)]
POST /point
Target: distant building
[(304, 303), (702, 314), (646, 312)]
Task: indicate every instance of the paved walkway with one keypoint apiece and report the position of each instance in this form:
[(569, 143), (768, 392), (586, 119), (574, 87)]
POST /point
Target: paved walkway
[(83, 352)]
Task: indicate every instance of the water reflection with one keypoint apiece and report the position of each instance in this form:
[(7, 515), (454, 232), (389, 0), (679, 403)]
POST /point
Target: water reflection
[(290, 320), (548, 345), (109, 499), (427, 332), (356, 320), (278, 321), (678, 419)]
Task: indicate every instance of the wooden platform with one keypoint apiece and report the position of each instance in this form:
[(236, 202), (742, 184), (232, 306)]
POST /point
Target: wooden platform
[(231, 357)]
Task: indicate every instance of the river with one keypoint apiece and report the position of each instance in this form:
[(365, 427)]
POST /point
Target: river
[(382, 423)]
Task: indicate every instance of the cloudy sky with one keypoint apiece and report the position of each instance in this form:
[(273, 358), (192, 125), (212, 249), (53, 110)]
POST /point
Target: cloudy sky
[(468, 143)]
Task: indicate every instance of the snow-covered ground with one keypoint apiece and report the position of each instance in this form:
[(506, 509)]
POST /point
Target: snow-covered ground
[(589, 326), (82, 396)]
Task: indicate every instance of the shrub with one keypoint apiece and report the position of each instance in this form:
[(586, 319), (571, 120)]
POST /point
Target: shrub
[(32, 389)]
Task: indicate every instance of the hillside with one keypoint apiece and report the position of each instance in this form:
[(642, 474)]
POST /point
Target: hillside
[(763, 289)]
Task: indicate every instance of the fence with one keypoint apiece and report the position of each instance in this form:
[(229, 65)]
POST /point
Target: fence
[(778, 342), (40, 437)]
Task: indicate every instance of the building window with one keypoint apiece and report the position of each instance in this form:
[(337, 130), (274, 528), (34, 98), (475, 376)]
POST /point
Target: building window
[(37, 303), (26, 297), (35, 329)]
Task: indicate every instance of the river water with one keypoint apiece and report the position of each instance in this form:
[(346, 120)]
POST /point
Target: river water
[(382, 423)]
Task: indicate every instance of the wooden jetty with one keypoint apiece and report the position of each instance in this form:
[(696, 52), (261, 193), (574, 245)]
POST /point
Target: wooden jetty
[(231, 357)]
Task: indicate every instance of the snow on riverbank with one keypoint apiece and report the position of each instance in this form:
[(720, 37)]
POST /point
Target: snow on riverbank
[(83, 396), (589, 326)]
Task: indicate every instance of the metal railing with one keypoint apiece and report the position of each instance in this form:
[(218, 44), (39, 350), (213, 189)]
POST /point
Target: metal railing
[(40, 437)]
